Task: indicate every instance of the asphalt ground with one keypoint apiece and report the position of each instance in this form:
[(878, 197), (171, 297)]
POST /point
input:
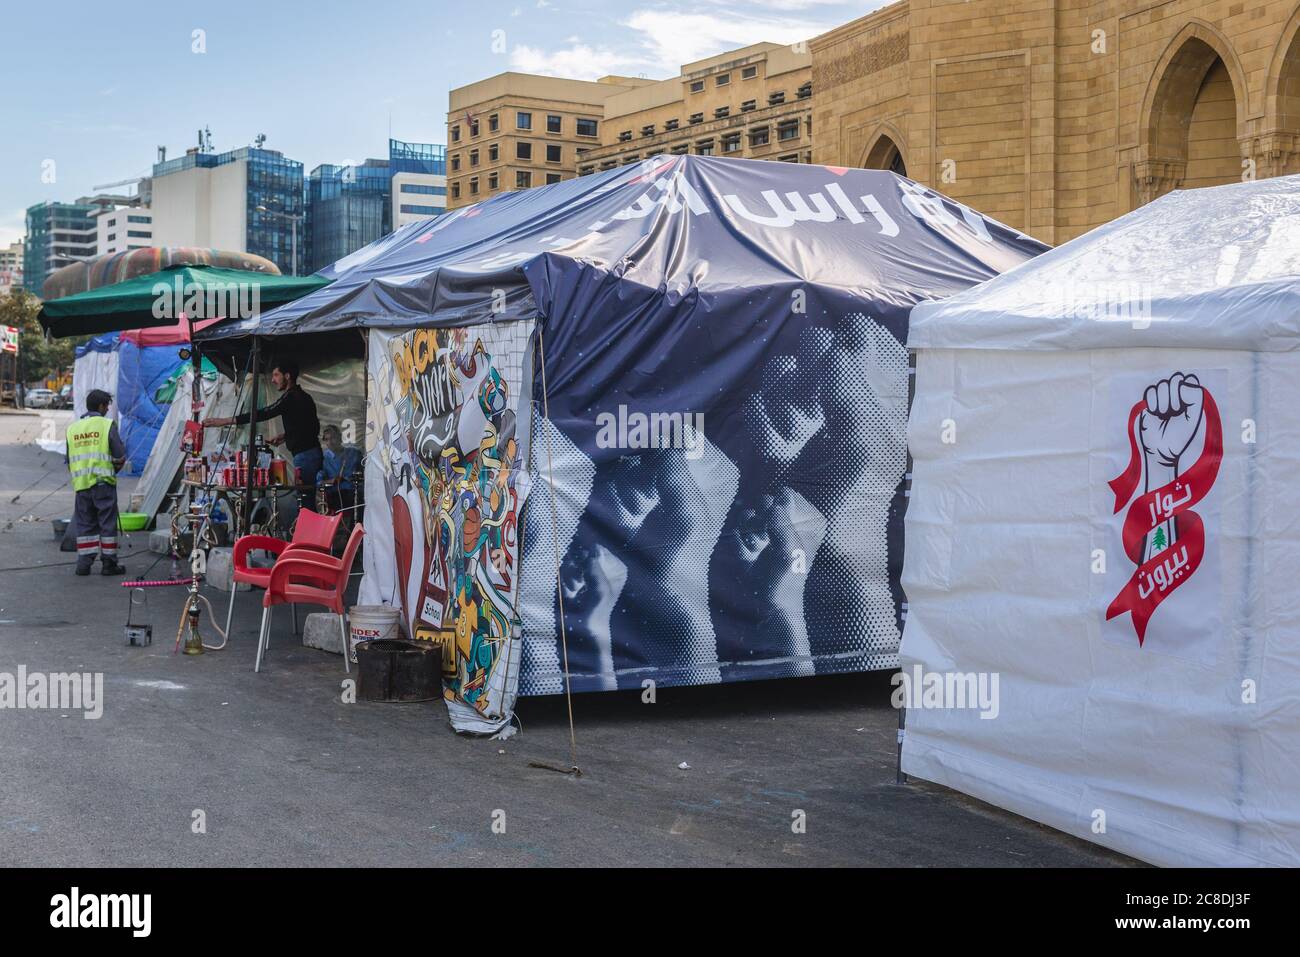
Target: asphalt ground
[(279, 770)]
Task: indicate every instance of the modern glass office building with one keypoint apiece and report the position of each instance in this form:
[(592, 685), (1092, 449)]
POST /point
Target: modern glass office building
[(419, 181), (347, 207), (57, 234), (417, 158), (247, 200), (351, 206), (276, 207)]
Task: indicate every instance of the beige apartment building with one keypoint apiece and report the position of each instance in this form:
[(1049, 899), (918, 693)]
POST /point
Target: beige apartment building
[(11, 266), (751, 103), (1056, 116), (516, 130)]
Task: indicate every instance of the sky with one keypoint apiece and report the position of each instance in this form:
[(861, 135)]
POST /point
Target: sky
[(93, 89)]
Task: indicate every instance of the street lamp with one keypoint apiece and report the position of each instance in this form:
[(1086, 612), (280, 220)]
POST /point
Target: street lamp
[(294, 220)]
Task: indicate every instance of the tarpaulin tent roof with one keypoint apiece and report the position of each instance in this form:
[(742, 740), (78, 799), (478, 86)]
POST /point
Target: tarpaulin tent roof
[(702, 227), (133, 304), (102, 343), (1210, 269), (176, 335)]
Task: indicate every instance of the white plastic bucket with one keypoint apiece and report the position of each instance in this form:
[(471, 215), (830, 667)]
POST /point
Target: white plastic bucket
[(371, 623)]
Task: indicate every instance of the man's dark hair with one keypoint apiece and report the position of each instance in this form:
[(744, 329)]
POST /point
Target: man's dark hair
[(97, 399), (288, 367)]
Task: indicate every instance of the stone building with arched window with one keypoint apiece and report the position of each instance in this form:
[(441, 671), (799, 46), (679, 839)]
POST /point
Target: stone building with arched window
[(1058, 115)]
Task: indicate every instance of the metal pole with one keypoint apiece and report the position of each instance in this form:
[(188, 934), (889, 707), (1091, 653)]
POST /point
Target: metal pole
[(196, 360), (899, 776), (252, 441)]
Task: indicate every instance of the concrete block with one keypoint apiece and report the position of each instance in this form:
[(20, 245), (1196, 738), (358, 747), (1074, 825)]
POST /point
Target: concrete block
[(219, 570), (321, 630), (160, 541)]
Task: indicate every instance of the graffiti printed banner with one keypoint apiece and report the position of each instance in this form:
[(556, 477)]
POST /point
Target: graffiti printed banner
[(447, 452)]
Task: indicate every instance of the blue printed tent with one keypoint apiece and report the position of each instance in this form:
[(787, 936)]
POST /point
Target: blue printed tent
[(695, 371)]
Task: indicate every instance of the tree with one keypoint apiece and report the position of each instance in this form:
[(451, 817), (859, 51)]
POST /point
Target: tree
[(38, 355), (1159, 542)]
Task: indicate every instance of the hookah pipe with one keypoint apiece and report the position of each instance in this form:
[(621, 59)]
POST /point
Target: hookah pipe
[(192, 442)]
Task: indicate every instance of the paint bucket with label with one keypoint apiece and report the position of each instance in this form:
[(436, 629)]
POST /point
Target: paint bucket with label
[(371, 623)]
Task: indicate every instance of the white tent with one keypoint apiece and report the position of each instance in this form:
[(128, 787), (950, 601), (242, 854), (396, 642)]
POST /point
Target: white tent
[(95, 367), (1102, 543)]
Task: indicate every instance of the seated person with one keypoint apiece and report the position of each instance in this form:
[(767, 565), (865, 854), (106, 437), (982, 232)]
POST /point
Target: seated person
[(341, 462)]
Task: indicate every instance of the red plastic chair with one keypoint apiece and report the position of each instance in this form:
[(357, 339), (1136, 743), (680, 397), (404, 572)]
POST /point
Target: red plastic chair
[(311, 531), (303, 576)]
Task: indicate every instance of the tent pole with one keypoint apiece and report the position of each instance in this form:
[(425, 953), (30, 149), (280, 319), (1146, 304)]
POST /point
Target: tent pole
[(899, 776), (196, 365), (252, 442), (555, 539)]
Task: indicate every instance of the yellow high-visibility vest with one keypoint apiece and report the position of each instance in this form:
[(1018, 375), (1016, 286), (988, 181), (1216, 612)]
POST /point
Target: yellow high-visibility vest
[(89, 458)]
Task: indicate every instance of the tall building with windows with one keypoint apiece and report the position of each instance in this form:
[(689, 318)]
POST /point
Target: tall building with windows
[(351, 206), (751, 103), (58, 234), (246, 200), (120, 228), (347, 208), (515, 130), (419, 181), (11, 267)]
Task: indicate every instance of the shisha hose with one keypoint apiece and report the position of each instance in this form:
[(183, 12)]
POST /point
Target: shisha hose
[(194, 644), (190, 615)]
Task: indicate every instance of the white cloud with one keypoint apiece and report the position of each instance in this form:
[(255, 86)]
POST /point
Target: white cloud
[(671, 39), (577, 61), (802, 5), (661, 39), (13, 227)]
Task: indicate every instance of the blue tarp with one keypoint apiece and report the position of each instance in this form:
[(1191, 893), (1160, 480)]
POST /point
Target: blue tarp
[(102, 343), (141, 372), (765, 306)]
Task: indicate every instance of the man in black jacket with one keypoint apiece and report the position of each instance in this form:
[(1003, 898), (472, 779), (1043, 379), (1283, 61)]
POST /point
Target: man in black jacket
[(301, 426)]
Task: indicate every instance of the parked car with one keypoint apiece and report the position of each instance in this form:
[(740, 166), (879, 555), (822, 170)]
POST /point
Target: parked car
[(40, 398), (64, 398)]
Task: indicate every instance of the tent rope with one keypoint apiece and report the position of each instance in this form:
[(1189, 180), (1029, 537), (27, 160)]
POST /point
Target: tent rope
[(555, 541)]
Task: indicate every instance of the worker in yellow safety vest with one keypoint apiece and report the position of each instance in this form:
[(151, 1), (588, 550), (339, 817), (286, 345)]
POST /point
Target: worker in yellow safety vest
[(95, 454)]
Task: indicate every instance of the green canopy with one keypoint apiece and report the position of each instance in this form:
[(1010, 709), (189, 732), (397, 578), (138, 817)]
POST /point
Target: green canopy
[(202, 294)]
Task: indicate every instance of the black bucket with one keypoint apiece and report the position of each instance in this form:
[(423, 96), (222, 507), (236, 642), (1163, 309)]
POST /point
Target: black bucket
[(393, 669)]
